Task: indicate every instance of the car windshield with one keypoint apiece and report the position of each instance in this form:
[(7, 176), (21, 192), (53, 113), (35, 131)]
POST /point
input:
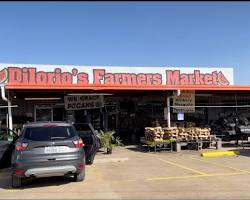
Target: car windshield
[(48, 133)]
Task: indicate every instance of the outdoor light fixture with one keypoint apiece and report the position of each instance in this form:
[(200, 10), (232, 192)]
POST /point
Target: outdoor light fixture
[(42, 98), (88, 94)]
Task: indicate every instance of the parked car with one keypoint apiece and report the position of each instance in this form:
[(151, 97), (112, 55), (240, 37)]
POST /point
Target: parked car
[(90, 137), (7, 144), (46, 149)]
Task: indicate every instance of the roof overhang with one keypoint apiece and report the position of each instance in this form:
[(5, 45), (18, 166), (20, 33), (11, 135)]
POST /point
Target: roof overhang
[(135, 88)]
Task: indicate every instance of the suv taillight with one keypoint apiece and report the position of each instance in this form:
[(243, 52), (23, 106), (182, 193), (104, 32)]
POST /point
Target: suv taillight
[(78, 143), (21, 146)]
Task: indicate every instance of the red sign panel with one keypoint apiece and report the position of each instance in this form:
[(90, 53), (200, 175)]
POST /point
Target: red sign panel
[(47, 77)]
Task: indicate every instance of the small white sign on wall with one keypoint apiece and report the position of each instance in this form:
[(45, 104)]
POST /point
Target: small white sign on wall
[(185, 103), (180, 116), (83, 102)]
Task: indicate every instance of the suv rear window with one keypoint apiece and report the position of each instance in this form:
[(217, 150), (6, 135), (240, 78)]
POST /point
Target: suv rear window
[(49, 133)]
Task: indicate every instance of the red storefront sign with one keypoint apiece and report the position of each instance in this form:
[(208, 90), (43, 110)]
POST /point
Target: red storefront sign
[(49, 76)]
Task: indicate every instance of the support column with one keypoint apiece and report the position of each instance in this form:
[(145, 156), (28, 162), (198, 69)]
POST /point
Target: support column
[(9, 120), (165, 103), (10, 116), (168, 112), (168, 107)]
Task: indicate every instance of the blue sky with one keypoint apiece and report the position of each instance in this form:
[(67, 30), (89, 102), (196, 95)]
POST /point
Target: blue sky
[(174, 34)]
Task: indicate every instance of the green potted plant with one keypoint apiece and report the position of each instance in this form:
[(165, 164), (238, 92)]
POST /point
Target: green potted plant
[(109, 141)]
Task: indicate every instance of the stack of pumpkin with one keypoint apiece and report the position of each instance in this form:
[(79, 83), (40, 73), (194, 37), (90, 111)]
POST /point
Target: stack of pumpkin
[(153, 133), (180, 133), (192, 133), (203, 133), (170, 133), (183, 134)]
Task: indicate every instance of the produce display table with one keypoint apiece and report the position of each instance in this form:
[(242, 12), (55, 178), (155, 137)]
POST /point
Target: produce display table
[(200, 142), (175, 145), (158, 145)]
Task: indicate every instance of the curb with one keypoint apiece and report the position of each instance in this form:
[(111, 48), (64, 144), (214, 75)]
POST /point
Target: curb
[(109, 160), (220, 153)]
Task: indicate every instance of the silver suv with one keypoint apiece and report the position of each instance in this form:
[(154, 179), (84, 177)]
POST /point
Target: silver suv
[(48, 149)]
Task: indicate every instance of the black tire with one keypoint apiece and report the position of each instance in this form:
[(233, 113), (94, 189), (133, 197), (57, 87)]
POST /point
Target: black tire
[(16, 182), (79, 177), (90, 159)]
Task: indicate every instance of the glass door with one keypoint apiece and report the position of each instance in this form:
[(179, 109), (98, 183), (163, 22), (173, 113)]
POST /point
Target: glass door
[(43, 113)]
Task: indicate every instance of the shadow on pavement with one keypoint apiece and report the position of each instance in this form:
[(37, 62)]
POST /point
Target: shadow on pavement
[(243, 152), (5, 178), (5, 181), (225, 144), (244, 148), (101, 151), (45, 182), (137, 148), (142, 149)]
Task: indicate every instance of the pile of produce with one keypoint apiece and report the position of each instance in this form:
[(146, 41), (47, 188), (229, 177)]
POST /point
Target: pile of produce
[(170, 133), (180, 133), (183, 134), (153, 133)]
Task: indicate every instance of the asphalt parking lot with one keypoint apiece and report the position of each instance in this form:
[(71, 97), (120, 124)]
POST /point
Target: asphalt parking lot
[(132, 174)]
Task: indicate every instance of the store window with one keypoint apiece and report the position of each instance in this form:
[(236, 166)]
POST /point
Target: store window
[(43, 113)]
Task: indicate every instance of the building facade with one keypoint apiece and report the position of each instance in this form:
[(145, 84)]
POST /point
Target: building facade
[(124, 99)]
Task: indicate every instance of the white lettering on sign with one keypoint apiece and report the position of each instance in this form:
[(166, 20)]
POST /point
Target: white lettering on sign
[(83, 102), (64, 76), (185, 103)]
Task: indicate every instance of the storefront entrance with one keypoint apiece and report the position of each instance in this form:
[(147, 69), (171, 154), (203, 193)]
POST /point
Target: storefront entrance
[(48, 113), (43, 113), (58, 113), (128, 113), (92, 116)]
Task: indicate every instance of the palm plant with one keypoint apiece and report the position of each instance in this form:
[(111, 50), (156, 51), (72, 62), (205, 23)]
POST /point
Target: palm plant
[(109, 141)]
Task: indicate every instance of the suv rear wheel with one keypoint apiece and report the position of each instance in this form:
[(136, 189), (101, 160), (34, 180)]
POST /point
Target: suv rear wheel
[(79, 177), (16, 181), (90, 159)]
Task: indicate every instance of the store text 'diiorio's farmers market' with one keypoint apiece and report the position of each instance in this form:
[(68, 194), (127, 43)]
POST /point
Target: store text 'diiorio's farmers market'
[(50, 75)]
